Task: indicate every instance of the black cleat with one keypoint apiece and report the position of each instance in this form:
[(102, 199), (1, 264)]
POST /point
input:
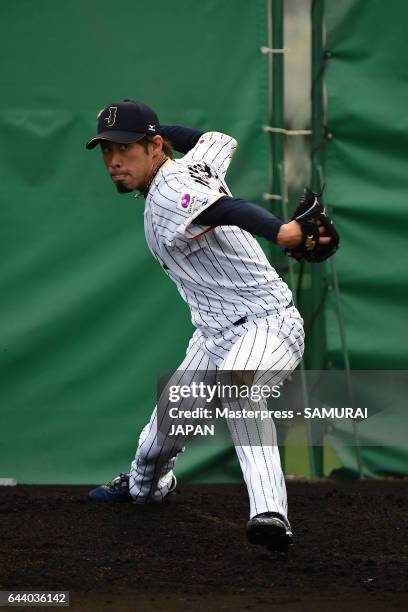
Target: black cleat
[(116, 490), (270, 529)]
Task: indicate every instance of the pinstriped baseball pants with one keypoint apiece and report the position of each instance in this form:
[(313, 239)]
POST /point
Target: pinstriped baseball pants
[(270, 357)]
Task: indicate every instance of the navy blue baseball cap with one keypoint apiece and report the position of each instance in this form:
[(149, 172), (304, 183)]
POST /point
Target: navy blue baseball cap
[(126, 122)]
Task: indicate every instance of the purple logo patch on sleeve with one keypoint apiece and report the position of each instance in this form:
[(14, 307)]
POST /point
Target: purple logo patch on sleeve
[(185, 200)]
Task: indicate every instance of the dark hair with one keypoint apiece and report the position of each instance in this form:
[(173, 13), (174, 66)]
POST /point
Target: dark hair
[(167, 146)]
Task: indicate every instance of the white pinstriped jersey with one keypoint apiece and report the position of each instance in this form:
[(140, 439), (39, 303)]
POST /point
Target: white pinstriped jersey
[(222, 273)]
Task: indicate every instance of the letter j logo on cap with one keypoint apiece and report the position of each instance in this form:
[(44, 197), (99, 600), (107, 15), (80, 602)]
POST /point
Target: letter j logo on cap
[(110, 120)]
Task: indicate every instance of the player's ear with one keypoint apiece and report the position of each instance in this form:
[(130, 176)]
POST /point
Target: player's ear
[(157, 142)]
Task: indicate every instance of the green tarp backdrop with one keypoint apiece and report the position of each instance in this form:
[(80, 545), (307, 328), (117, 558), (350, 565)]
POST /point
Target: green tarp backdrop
[(366, 179), (87, 316)]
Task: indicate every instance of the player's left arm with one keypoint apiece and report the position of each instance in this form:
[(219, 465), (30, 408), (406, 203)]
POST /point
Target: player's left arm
[(254, 219)]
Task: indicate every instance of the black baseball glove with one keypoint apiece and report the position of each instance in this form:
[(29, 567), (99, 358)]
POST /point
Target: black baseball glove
[(311, 215)]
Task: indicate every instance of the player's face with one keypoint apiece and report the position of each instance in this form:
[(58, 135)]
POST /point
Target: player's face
[(129, 165)]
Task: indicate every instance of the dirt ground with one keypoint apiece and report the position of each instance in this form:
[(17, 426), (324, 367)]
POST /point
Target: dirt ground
[(190, 553)]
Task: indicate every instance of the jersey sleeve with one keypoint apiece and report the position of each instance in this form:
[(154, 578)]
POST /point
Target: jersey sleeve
[(175, 207), (215, 149)]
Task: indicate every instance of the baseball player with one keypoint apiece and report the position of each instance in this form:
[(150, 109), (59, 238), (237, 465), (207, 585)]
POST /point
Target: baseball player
[(243, 312)]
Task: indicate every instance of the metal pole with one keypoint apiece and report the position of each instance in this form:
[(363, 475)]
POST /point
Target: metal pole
[(316, 336), (278, 185), (278, 94), (276, 119)]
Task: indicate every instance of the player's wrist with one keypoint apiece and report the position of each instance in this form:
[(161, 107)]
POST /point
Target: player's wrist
[(289, 235)]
